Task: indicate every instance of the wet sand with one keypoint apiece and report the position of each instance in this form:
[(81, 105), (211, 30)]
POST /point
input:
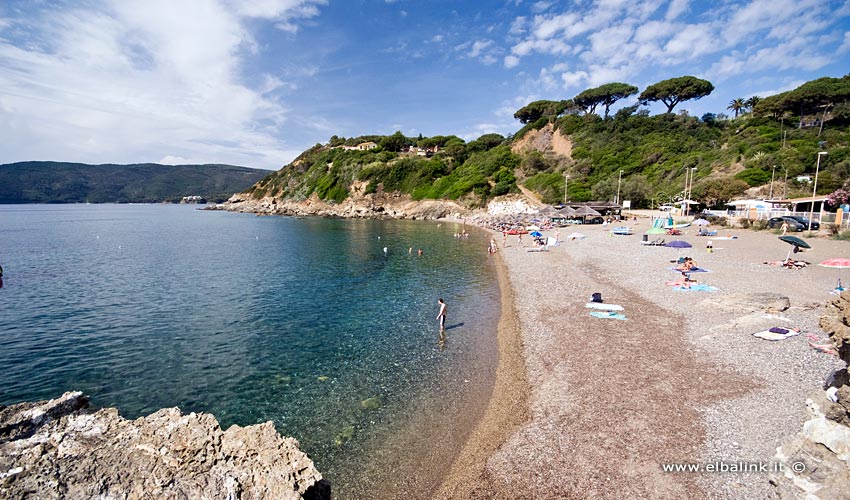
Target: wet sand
[(608, 403)]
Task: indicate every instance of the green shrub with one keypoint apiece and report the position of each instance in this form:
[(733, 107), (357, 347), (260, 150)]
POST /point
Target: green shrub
[(843, 236)]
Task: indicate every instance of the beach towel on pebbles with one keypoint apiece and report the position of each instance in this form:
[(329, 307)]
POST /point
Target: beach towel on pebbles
[(608, 315), (694, 270), (777, 333), (603, 307), (696, 288)]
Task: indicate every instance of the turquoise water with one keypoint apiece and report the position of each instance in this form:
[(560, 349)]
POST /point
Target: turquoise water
[(305, 322)]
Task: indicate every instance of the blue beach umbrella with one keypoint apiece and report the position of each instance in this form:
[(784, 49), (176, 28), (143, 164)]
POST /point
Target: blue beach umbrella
[(536, 234), (678, 244)]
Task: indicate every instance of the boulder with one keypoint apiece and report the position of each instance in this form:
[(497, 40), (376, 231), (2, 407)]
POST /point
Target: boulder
[(816, 462), (62, 448)]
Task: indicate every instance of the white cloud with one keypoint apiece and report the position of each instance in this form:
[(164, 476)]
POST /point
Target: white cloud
[(552, 47), (538, 7), (690, 43), (511, 61), (676, 9), (518, 26), (845, 46), (608, 42), (547, 27), (478, 46), (121, 82), (574, 79)]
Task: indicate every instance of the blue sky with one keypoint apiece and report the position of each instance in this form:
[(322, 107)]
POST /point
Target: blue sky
[(255, 82)]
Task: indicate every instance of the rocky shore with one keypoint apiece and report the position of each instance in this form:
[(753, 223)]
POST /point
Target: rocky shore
[(357, 206), (62, 448)]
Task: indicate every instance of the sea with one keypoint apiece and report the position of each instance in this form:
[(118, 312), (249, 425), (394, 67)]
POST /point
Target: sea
[(326, 327)]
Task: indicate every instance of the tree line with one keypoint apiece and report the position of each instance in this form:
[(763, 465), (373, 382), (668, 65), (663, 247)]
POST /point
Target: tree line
[(670, 92)]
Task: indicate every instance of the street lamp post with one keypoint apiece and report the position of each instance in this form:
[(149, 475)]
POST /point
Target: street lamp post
[(815, 190), (619, 179), (566, 179)]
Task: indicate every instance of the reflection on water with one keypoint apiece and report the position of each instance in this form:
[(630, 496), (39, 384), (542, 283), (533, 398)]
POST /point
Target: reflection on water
[(324, 326)]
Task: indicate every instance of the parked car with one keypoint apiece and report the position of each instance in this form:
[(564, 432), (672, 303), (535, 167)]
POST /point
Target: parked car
[(805, 222), (793, 224)]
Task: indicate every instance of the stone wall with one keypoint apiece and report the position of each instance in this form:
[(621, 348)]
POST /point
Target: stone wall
[(62, 448)]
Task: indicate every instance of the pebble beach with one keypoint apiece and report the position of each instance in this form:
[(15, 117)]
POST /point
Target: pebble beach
[(587, 407)]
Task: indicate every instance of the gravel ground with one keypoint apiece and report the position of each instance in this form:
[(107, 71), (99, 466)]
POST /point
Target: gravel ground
[(681, 381)]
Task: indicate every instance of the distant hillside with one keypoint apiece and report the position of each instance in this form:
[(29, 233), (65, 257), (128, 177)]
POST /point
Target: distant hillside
[(55, 182), (645, 159)]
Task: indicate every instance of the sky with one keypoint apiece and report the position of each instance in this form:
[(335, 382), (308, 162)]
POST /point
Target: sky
[(256, 82)]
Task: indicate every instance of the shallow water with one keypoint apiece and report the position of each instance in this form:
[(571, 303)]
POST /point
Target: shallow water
[(305, 322)]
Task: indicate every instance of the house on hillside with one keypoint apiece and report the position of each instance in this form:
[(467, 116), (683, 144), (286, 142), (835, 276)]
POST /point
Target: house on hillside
[(366, 146)]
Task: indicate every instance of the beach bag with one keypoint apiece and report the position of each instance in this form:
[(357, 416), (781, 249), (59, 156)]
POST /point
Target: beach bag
[(596, 297)]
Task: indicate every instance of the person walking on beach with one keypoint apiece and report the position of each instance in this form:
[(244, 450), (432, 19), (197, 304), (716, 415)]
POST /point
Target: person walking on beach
[(784, 227), (441, 316)]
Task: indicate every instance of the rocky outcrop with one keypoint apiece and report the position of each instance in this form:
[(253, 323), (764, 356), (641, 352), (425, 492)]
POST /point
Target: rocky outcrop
[(816, 462), (360, 206), (750, 302), (64, 449), (836, 322)]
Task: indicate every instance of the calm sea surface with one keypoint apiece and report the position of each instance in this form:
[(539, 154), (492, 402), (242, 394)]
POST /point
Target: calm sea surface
[(305, 322)]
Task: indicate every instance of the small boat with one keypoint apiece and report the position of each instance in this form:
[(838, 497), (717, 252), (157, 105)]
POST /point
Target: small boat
[(516, 231), (622, 230)]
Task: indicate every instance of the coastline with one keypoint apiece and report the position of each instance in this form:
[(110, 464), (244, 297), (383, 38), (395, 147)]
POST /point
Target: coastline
[(682, 381), (506, 410)]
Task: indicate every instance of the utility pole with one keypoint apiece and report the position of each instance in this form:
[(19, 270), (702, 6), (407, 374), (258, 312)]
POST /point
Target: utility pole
[(566, 179), (771, 181), (814, 190), (619, 179), (785, 186)]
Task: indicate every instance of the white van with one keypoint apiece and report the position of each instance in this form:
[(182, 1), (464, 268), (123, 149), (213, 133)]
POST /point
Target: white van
[(665, 208)]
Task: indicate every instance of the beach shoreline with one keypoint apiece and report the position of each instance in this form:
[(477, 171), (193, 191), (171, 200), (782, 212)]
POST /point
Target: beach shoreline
[(506, 410), (681, 381)]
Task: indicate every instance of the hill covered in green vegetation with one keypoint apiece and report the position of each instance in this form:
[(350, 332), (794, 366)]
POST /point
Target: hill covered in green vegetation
[(53, 182), (647, 157)]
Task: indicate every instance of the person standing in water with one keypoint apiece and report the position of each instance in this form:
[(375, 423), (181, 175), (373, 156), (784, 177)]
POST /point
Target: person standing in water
[(441, 316)]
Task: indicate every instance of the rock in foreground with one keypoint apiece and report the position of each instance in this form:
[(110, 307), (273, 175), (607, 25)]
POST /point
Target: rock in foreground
[(62, 449)]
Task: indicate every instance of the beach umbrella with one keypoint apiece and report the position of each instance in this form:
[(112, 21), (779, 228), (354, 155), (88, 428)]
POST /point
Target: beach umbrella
[(533, 228), (576, 236), (656, 230), (701, 222), (536, 234), (678, 244), (586, 211), (796, 242), (837, 264)]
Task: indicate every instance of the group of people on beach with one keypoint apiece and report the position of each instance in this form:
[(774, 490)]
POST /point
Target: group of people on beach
[(686, 264)]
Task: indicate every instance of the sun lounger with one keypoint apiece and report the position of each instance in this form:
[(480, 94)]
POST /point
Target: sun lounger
[(540, 248)]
